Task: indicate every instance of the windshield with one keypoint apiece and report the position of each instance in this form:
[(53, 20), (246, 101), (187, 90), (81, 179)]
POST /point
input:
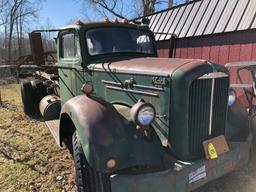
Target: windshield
[(118, 40)]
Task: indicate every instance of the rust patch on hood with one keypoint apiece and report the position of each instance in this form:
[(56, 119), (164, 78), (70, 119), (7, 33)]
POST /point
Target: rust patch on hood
[(146, 66)]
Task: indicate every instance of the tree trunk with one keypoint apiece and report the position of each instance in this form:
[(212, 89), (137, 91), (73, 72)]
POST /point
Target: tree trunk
[(20, 33), (10, 40), (5, 41), (170, 3), (148, 6), (13, 15)]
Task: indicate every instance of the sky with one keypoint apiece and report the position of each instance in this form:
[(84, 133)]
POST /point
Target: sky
[(59, 13)]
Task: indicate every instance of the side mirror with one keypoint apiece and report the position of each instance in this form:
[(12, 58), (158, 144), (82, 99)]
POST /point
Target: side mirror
[(55, 39)]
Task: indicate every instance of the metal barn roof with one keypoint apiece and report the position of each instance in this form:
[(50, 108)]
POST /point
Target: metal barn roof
[(204, 17)]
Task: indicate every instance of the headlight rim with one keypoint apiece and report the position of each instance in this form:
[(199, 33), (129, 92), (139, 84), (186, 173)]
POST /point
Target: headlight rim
[(136, 110), (231, 93)]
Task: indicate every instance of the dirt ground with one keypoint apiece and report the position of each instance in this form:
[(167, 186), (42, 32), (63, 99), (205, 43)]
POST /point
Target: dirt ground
[(31, 161)]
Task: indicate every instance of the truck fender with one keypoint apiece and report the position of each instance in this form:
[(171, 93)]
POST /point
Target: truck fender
[(105, 135), (237, 124)]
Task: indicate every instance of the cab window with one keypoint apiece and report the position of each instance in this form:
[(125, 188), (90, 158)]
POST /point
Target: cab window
[(69, 45), (119, 40)]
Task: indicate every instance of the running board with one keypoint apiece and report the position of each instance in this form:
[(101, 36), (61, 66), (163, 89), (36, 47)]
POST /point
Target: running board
[(53, 126)]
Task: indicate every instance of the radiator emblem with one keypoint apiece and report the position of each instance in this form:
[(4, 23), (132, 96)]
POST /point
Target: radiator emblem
[(159, 81)]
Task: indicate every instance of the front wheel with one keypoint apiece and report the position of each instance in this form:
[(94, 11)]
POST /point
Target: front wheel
[(87, 179)]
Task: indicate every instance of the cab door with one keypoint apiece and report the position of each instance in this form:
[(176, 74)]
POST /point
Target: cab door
[(69, 61)]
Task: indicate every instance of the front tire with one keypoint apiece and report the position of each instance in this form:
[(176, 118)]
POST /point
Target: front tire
[(87, 179)]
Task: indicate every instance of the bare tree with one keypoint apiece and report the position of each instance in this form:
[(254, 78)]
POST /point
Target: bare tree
[(107, 5), (116, 7), (25, 13), (170, 3), (15, 13), (3, 4), (148, 6), (11, 17), (48, 38)]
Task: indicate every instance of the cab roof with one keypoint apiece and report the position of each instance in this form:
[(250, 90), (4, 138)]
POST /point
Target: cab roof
[(91, 25), (88, 25)]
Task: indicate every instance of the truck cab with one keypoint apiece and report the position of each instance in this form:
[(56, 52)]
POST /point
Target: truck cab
[(134, 121), (81, 46)]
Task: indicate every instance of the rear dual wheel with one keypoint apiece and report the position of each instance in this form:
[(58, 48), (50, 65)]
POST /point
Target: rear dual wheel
[(87, 179), (39, 90), (32, 93), (27, 97)]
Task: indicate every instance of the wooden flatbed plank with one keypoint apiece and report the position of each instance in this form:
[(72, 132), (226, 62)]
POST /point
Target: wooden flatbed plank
[(53, 126)]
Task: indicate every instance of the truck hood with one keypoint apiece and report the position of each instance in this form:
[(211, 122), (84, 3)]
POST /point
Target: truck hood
[(146, 66)]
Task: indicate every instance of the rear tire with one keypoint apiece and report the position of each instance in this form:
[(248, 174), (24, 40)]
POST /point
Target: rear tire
[(39, 92), (27, 97), (87, 179)]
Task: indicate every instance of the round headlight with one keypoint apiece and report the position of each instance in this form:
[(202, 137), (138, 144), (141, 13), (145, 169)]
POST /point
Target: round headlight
[(231, 97), (143, 114)]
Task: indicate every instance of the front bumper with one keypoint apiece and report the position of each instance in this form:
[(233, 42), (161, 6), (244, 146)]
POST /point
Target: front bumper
[(186, 178)]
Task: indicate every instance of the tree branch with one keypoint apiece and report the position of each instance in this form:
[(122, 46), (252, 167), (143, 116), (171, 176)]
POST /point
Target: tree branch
[(104, 5)]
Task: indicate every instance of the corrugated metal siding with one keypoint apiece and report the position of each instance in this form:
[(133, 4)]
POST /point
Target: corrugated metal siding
[(170, 22), (239, 12), (254, 23), (156, 20), (151, 18), (190, 19), (164, 20), (176, 21), (226, 16), (183, 19), (165, 23), (161, 19), (197, 18), (248, 16), (204, 17), (215, 17)]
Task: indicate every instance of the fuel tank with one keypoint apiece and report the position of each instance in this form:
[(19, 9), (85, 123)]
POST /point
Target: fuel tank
[(50, 107)]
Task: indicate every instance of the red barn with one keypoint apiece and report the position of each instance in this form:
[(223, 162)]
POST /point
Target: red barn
[(221, 31)]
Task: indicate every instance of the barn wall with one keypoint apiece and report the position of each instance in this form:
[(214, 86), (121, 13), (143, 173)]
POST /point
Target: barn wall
[(219, 48)]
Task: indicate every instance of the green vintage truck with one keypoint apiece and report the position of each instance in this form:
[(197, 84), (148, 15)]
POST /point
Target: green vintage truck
[(134, 121)]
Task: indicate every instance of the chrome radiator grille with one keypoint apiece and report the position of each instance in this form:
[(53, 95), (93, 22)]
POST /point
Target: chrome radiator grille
[(208, 96)]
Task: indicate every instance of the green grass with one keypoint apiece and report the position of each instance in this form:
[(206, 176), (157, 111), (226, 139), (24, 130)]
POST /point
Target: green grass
[(30, 160)]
